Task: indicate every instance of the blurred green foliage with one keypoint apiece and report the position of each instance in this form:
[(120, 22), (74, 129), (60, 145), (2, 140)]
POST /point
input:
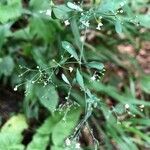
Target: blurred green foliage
[(57, 56)]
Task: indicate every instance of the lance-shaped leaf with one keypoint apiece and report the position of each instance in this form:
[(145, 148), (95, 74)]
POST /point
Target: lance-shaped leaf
[(96, 65), (118, 26), (70, 49), (79, 79), (74, 6), (65, 79)]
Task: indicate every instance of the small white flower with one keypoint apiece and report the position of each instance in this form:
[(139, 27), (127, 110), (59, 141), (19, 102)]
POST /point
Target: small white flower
[(66, 22), (70, 69), (15, 88), (45, 83), (41, 11), (48, 12), (99, 26), (86, 23), (127, 106), (100, 17), (82, 38), (66, 97), (68, 142), (122, 3), (77, 146), (121, 11), (129, 112), (93, 78), (141, 106)]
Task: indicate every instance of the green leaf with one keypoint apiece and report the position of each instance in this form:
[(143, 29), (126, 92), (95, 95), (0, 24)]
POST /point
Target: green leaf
[(39, 142), (6, 65), (47, 96), (64, 128), (70, 49), (41, 137), (15, 124), (107, 6), (144, 20), (11, 133), (43, 29), (4, 31), (96, 65), (61, 12), (145, 84), (57, 148), (118, 26), (39, 5), (49, 124), (10, 141), (22, 34), (11, 11), (139, 133), (76, 32), (79, 79), (74, 6)]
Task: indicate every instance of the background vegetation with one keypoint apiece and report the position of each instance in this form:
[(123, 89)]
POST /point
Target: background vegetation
[(74, 75)]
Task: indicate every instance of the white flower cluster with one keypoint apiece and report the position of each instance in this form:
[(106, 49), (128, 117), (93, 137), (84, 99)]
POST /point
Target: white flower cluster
[(46, 12), (70, 143), (127, 107), (85, 23), (93, 78)]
